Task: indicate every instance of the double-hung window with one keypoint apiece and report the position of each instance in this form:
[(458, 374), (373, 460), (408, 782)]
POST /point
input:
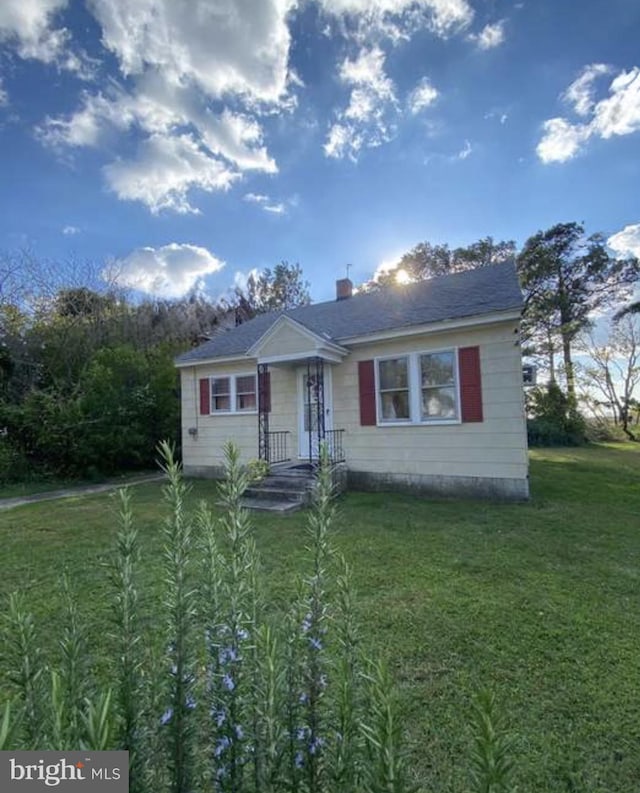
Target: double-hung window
[(418, 388), (234, 394), (245, 393), (393, 389), (438, 395)]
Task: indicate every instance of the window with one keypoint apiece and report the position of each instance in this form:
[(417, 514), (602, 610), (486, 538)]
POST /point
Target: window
[(220, 394), (393, 381), (234, 394), (438, 384), (418, 388), (246, 392)]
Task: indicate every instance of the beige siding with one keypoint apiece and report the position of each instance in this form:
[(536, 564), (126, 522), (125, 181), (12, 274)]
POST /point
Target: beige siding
[(287, 341), (205, 448), (494, 448)]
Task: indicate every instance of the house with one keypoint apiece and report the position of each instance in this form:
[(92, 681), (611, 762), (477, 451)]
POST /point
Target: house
[(413, 387)]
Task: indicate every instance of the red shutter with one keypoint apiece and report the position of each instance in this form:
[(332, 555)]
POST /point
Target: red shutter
[(367, 386), (264, 392), (470, 383), (205, 396)]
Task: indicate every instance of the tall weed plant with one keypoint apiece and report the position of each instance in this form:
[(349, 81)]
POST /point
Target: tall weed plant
[(220, 694)]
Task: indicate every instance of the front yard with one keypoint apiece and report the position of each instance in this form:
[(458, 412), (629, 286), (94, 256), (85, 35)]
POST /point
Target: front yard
[(540, 602)]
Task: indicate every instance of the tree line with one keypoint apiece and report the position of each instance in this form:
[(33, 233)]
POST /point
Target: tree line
[(87, 381)]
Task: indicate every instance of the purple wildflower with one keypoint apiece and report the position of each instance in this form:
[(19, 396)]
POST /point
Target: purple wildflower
[(227, 654), (239, 732), (166, 716), (315, 744), (306, 623), (315, 643), (190, 702), (220, 716), (228, 682), (222, 744), (222, 771), (298, 760), (303, 698), (301, 733), (242, 634)]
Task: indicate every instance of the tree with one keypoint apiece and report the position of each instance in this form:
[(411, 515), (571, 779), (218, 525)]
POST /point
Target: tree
[(272, 290), (430, 261), (613, 371), (566, 277)]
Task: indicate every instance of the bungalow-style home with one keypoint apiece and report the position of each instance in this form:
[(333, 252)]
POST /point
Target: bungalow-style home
[(414, 387)]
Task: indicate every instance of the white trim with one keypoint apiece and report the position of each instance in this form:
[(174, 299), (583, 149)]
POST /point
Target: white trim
[(415, 390), (320, 342), (301, 356), (432, 327), (233, 394), (303, 438), (207, 361)]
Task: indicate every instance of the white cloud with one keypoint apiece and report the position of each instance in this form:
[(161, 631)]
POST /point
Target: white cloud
[(423, 95), (227, 47), (275, 209), (28, 27), (256, 198), (365, 122), (164, 171), (465, 151), (70, 231), (169, 271), (4, 96), (619, 114), (580, 92), (627, 241), (616, 114), (490, 36), (561, 140), (268, 204), (398, 19), (181, 56)]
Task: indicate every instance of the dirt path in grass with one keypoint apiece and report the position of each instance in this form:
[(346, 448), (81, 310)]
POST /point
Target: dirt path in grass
[(74, 492)]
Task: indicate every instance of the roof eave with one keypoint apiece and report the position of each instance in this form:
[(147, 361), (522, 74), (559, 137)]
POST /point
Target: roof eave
[(489, 318)]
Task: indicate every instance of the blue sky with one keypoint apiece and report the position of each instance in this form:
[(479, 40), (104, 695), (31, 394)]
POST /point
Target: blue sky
[(183, 143)]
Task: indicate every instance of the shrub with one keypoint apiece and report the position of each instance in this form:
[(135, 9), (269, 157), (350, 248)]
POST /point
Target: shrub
[(555, 420)]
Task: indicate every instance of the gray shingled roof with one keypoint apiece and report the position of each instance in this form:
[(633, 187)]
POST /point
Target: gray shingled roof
[(481, 291)]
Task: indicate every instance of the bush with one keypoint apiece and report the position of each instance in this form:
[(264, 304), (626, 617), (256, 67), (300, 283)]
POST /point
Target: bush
[(555, 420)]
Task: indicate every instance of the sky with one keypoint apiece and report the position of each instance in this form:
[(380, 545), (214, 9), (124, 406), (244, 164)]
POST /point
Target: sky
[(177, 145)]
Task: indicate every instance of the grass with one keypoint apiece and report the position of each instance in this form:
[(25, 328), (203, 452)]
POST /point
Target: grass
[(49, 484), (540, 602)]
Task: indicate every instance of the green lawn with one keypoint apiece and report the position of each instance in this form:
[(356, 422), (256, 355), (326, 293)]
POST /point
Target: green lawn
[(539, 601)]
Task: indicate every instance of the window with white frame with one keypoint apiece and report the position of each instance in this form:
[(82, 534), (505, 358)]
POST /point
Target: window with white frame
[(246, 393), (234, 394), (393, 389), (418, 388), (438, 396)]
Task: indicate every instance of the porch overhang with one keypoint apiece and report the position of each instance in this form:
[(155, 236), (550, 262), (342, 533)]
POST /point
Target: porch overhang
[(288, 341)]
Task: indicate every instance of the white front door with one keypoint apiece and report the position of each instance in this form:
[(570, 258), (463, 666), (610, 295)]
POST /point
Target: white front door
[(308, 409)]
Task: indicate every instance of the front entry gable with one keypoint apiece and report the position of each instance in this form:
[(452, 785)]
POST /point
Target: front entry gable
[(288, 340)]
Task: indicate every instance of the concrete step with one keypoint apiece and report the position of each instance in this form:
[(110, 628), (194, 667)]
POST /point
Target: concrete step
[(269, 505), (276, 493), (286, 482)]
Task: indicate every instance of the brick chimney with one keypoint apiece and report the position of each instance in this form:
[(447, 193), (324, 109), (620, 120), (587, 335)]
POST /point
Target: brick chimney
[(344, 289)]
